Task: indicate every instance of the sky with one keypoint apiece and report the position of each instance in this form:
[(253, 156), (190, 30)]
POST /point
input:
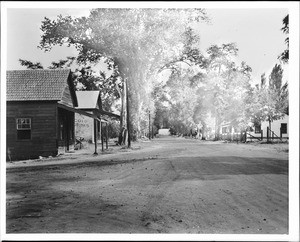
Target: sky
[(255, 31)]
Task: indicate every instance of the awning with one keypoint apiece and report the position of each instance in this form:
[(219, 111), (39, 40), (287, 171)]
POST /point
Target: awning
[(94, 113), (75, 110), (101, 112)]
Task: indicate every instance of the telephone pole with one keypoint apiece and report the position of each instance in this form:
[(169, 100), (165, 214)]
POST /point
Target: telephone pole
[(128, 114), (149, 125)]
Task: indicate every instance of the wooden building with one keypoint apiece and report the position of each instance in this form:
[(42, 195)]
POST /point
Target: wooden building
[(40, 113), (92, 129), (89, 101)]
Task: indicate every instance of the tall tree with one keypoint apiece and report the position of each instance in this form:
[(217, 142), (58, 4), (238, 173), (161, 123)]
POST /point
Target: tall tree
[(213, 84), (270, 102), (275, 78), (138, 41), (227, 85)]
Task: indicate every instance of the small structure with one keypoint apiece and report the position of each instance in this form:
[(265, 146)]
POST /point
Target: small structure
[(164, 132), (86, 128), (40, 113)]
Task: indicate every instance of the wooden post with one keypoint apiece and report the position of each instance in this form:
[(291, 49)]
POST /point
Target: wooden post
[(261, 134), (95, 136), (280, 133), (102, 140), (106, 126), (67, 132), (267, 134)]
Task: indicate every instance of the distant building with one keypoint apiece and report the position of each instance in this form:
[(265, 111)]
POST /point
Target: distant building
[(164, 132)]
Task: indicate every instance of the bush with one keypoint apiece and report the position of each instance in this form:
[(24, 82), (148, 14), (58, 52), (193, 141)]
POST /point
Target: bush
[(113, 129)]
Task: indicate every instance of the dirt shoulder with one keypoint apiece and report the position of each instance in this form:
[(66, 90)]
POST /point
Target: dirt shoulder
[(83, 155), (114, 151)]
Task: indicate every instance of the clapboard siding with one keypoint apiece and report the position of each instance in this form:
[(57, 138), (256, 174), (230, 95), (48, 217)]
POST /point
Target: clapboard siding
[(43, 140)]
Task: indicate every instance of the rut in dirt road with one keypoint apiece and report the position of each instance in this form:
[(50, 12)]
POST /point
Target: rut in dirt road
[(171, 185)]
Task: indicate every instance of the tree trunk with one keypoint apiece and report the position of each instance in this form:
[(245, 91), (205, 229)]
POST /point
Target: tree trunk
[(217, 132), (121, 117)]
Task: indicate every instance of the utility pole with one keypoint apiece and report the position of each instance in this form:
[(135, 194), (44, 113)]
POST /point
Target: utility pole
[(152, 132), (128, 114), (149, 125), (122, 110), (95, 135)]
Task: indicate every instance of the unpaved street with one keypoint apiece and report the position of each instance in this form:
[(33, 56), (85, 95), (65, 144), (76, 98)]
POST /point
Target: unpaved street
[(169, 185)]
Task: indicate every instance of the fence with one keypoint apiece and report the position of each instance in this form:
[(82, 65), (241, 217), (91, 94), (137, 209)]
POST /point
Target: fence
[(271, 136), (245, 136), (234, 137)]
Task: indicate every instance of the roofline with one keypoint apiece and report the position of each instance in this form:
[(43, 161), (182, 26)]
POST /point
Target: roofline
[(69, 84), (40, 100), (62, 69), (72, 87)]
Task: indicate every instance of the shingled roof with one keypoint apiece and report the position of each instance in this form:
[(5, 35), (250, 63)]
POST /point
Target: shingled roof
[(36, 85)]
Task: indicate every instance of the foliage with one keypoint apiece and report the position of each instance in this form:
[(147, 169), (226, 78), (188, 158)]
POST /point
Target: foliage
[(132, 38), (227, 86), (211, 84), (284, 56), (275, 78), (113, 129), (31, 65)]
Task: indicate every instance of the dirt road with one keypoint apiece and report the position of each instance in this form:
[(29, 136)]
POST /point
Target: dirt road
[(169, 185)]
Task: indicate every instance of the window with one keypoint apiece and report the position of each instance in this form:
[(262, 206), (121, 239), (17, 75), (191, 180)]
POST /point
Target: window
[(257, 128), (224, 130), (23, 128), (283, 128)]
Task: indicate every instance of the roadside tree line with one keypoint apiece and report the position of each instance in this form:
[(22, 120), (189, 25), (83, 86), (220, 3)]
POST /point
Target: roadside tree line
[(153, 64)]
